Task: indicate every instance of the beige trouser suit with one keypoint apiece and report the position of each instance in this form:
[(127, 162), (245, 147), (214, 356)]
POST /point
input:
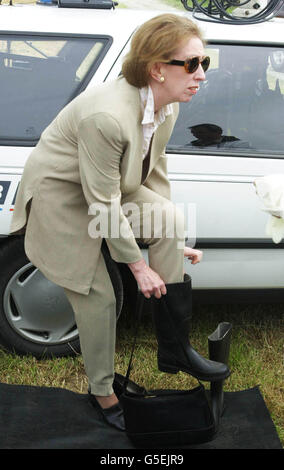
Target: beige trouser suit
[(91, 154)]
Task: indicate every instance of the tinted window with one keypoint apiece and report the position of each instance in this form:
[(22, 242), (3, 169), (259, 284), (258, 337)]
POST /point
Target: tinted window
[(240, 106), (38, 76)]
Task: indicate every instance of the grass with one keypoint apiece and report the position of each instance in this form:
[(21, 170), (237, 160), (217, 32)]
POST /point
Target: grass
[(256, 356)]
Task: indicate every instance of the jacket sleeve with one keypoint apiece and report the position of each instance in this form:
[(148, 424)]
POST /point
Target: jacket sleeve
[(100, 148)]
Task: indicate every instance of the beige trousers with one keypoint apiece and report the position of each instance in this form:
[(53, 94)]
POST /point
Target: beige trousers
[(152, 218)]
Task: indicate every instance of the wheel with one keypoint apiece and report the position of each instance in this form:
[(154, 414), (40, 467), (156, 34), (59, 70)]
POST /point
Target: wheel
[(35, 316)]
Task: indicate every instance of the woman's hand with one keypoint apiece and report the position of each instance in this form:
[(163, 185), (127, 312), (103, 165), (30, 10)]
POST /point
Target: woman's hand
[(194, 255), (148, 280)]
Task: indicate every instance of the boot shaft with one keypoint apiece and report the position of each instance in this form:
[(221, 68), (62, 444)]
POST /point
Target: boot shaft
[(219, 343), (173, 312)]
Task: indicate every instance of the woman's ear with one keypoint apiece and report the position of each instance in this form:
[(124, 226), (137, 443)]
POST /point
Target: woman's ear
[(156, 72)]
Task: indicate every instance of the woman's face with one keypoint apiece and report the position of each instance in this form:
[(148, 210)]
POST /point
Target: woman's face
[(180, 86)]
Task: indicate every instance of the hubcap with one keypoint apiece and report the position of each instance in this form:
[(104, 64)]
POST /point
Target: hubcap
[(37, 309)]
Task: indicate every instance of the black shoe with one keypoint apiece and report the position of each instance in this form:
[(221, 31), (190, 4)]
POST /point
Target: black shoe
[(112, 415)]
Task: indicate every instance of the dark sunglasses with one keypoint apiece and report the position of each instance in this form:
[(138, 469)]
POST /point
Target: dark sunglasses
[(191, 65)]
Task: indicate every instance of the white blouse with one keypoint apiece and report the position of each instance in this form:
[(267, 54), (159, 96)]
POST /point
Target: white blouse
[(151, 120)]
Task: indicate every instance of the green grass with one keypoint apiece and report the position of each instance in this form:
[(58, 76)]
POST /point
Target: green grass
[(256, 357)]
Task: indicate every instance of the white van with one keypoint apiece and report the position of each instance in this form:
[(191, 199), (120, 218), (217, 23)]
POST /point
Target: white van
[(229, 134)]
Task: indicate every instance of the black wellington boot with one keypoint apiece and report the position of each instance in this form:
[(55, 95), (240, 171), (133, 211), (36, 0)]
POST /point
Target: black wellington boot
[(219, 350), (172, 319)]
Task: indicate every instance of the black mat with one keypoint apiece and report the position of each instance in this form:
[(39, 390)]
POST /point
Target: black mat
[(54, 418)]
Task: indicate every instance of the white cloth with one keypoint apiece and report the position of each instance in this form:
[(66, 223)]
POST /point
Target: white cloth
[(151, 120), (270, 190)]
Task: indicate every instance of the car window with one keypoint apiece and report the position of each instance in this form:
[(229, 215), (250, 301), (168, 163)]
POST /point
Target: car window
[(38, 76), (240, 106)]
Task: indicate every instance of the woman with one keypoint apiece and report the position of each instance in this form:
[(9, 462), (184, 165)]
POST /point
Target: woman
[(107, 149)]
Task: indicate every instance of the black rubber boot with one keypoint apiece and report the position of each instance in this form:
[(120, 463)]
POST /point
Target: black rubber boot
[(219, 349), (172, 319)]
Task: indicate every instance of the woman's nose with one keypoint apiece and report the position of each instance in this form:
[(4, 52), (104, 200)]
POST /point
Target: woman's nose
[(200, 74)]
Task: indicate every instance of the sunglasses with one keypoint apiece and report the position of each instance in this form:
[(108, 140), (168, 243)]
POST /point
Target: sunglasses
[(191, 65)]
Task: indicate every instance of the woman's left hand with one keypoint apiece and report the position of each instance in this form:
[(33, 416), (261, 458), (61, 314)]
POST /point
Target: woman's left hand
[(194, 255)]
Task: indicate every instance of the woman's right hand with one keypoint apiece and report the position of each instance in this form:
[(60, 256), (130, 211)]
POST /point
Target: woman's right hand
[(149, 282)]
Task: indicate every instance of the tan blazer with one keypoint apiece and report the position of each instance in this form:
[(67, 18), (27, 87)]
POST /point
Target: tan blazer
[(90, 153)]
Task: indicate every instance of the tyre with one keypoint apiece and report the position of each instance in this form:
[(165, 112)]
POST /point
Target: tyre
[(35, 316)]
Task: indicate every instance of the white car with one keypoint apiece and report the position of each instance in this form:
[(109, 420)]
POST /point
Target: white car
[(231, 133)]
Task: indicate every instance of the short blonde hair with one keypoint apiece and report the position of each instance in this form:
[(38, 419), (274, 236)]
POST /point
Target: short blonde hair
[(156, 41)]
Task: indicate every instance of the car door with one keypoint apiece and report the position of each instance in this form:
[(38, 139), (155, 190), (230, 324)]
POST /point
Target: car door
[(229, 134)]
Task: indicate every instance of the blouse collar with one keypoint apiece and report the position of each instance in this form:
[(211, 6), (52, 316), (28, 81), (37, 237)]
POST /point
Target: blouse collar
[(147, 105)]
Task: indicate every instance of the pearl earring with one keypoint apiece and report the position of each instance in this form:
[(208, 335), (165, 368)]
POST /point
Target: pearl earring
[(162, 79)]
